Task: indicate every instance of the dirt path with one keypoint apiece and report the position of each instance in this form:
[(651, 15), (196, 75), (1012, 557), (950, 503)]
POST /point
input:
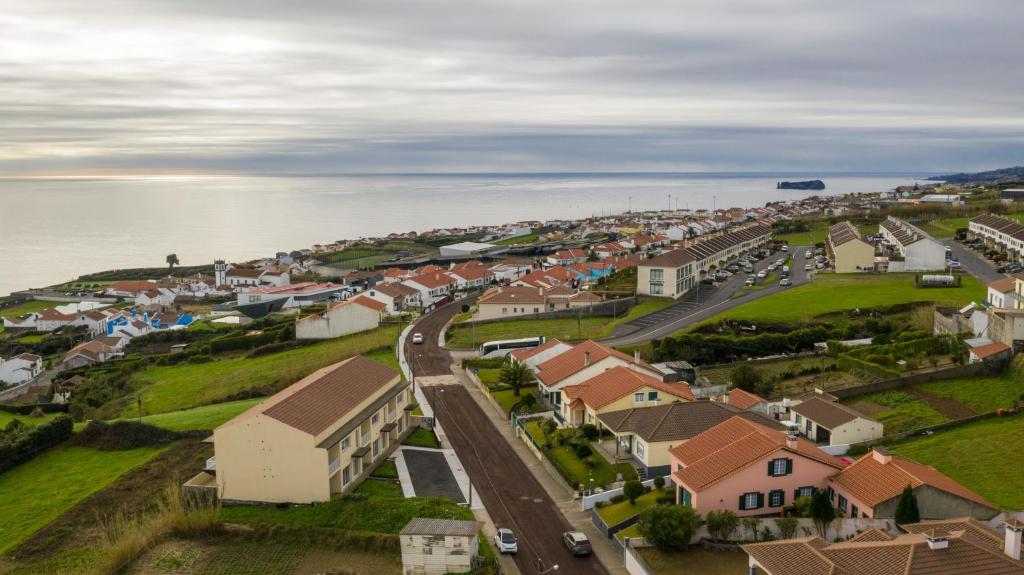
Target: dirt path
[(950, 408)]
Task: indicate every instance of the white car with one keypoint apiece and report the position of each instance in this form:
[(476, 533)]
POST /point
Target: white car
[(808, 255), (785, 248), (417, 338), (762, 274), (750, 281), (506, 541), (953, 264), (785, 282), (807, 267)]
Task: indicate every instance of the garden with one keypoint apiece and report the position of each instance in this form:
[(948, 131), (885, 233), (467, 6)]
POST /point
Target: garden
[(574, 457)]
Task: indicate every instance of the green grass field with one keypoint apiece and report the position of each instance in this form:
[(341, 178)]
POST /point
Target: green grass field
[(575, 470), (618, 512), (170, 388), (37, 492), (983, 456), (204, 417), (694, 560), (982, 394), (525, 239), (566, 329), (834, 292), (506, 399), (6, 418), (422, 437), (817, 234)]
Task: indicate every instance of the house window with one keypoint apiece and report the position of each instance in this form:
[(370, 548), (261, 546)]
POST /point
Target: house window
[(798, 419), (842, 504), (854, 511), (776, 498), (687, 497), (504, 310), (652, 396), (376, 447), (657, 275), (831, 494), (346, 474), (656, 289), (536, 310), (345, 444), (753, 500), (639, 450), (804, 492), (780, 467), (375, 419), (638, 397)]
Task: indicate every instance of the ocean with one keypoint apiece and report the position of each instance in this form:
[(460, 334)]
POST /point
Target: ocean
[(54, 229)]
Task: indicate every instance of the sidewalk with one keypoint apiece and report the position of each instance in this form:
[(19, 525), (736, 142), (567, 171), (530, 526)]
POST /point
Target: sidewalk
[(553, 484)]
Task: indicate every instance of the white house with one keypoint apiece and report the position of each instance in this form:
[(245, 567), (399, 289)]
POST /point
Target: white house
[(343, 318), (20, 368), (1001, 293), (433, 286), (567, 257), (439, 546), (920, 251), (396, 296), (156, 297), (471, 276)]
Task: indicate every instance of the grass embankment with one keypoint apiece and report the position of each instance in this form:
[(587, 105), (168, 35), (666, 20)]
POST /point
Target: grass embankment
[(898, 411), (835, 292), (983, 456), (40, 490), (524, 239), (981, 394), (818, 232), (422, 437), (382, 513), (618, 512), (6, 418), (565, 329), (22, 309), (170, 388), (204, 417)]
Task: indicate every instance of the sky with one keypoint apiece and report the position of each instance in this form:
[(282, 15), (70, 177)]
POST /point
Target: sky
[(211, 86)]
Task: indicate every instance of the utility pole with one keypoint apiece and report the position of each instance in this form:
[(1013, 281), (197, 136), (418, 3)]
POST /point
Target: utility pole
[(630, 205)]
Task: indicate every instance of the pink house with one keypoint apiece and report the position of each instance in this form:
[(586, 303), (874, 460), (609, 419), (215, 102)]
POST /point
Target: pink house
[(747, 468)]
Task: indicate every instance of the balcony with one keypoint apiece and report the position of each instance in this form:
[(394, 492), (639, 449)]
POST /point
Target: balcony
[(364, 439), (333, 466)]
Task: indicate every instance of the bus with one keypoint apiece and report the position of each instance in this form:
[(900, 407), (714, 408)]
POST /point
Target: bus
[(502, 348)]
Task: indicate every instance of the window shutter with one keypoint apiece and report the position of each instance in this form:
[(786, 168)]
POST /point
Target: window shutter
[(742, 508), (760, 500), (771, 468), (789, 466), (796, 494), (782, 498)]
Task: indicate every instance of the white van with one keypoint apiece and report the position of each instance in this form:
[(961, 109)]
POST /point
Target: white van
[(785, 269)]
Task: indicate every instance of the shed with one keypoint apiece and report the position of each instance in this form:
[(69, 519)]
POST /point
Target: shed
[(439, 546)]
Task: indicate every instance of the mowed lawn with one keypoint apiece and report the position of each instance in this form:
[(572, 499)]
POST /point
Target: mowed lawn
[(565, 329), (22, 309), (204, 417), (835, 292), (984, 456), (37, 492), (170, 388)]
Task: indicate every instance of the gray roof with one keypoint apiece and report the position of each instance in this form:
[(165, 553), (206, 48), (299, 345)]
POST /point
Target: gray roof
[(677, 421), (441, 527), (827, 414)]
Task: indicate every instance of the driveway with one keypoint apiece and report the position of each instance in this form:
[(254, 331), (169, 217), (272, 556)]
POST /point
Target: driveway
[(431, 474), (702, 304)]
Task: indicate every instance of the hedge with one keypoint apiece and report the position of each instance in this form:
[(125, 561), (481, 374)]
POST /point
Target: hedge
[(39, 439), (28, 409)]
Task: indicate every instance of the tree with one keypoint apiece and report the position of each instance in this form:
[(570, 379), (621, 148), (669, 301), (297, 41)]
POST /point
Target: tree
[(787, 526), (669, 527), (659, 482), (632, 490), (746, 377), (516, 374), (722, 524), (172, 260), (752, 524), (590, 431), (822, 512), (906, 510)]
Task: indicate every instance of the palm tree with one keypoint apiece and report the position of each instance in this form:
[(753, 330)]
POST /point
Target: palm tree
[(516, 374)]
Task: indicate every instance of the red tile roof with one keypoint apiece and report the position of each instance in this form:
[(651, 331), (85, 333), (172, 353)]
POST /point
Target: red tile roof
[(744, 399), (525, 354), (433, 280), (871, 480), (565, 364), (617, 382), (983, 351)]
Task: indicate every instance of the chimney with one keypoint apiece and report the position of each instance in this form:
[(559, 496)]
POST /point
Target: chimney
[(586, 359), (937, 539), (791, 440), (1011, 545), (881, 455)]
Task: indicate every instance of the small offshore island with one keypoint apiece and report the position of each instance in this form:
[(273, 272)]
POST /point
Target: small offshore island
[(807, 185)]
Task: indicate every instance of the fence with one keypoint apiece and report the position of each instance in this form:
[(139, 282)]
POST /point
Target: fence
[(635, 564), (912, 379)]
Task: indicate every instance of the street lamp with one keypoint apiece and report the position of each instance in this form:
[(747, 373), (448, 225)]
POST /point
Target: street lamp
[(542, 571)]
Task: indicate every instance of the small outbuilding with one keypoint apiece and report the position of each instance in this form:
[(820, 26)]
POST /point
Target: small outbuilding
[(439, 546)]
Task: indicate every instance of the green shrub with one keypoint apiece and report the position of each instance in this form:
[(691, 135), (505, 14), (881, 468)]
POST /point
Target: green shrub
[(26, 444), (633, 489), (590, 431), (583, 451), (122, 435)]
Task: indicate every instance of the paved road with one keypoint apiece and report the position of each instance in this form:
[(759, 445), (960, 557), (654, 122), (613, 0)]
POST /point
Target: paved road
[(512, 495), (973, 263), (689, 311)]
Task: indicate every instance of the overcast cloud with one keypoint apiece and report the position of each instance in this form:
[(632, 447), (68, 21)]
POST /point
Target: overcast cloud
[(429, 86)]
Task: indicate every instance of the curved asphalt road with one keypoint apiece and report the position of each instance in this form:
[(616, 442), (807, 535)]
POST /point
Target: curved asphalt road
[(687, 312)]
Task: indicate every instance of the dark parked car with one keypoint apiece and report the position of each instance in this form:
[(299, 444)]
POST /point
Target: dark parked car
[(576, 542)]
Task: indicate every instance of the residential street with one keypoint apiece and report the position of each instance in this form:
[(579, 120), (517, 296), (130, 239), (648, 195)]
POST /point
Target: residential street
[(687, 311), (973, 263), (511, 493)]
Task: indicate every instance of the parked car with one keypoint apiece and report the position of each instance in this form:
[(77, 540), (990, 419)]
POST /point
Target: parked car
[(807, 267), (750, 281), (954, 265), (785, 248), (784, 282), (417, 338), (808, 255), (820, 265), (762, 274), (576, 542), (506, 541)]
